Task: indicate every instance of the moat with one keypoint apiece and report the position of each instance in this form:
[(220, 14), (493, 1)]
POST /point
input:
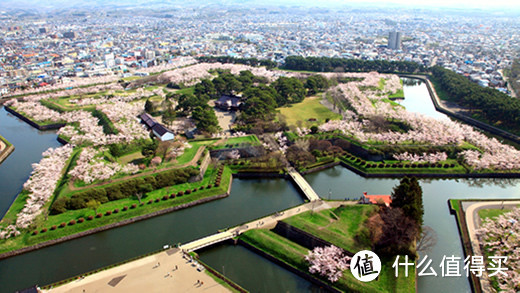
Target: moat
[(249, 199)]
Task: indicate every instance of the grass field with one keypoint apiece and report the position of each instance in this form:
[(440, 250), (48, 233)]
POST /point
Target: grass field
[(344, 232), (293, 254), (130, 157), (309, 108), (398, 94), (485, 214)]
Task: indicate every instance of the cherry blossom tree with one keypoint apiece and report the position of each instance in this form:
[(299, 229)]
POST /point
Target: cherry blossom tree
[(500, 237), (328, 261), (41, 185)]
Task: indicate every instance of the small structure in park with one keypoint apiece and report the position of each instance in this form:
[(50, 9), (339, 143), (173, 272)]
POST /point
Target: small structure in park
[(158, 129), (162, 133), (376, 199), (148, 120), (228, 103)]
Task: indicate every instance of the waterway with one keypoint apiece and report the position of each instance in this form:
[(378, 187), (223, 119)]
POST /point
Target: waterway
[(249, 199), (417, 99), (254, 272), (29, 144)]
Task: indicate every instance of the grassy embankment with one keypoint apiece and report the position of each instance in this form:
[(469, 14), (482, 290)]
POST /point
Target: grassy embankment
[(346, 233), (153, 202)]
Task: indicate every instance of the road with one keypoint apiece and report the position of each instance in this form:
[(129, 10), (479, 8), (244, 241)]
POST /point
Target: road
[(473, 223)]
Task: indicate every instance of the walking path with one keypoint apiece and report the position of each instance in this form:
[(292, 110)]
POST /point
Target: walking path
[(303, 184), (2, 145), (268, 222), (169, 270), (193, 162), (473, 223)]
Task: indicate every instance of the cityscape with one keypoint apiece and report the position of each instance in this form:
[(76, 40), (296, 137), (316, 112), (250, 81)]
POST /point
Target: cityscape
[(47, 48), (238, 146)]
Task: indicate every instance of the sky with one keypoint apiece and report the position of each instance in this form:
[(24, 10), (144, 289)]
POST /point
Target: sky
[(489, 4), (495, 5)]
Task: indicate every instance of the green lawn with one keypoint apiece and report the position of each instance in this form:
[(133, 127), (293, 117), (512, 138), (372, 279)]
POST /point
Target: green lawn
[(243, 139), (485, 214), (7, 143), (131, 78), (343, 232), (293, 254), (130, 157), (398, 94), (27, 239), (250, 140), (189, 153), (309, 108)]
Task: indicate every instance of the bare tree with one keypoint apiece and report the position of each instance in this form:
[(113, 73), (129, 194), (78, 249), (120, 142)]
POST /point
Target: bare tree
[(427, 239)]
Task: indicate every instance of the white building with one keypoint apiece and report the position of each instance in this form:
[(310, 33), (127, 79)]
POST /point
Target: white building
[(162, 133)]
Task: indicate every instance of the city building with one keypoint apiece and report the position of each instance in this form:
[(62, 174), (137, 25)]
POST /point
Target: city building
[(394, 40)]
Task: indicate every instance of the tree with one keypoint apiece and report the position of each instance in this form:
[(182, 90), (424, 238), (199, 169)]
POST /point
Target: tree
[(205, 87), (188, 102), (398, 233), (169, 114), (499, 237), (142, 190), (328, 261), (427, 239), (408, 196), (206, 120), (290, 90), (316, 83), (93, 205), (148, 106)]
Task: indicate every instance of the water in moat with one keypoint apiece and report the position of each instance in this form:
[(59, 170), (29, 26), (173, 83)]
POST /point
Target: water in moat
[(249, 199), (254, 272)]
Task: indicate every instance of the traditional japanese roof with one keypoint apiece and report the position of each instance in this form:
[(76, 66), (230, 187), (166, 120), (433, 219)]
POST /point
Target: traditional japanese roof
[(229, 101), (148, 120), (377, 199), (159, 129)]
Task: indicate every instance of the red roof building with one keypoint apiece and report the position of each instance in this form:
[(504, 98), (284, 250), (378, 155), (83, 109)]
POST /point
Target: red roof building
[(377, 199)]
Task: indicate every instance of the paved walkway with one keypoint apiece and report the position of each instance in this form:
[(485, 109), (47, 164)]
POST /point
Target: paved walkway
[(268, 222), (158, 273), (303, 184), (473, 223), (155, 273), (2, 145)]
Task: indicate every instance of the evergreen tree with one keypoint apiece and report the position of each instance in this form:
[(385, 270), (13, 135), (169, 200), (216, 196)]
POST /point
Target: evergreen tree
[(206, 120), (148, 106), (408, 196)]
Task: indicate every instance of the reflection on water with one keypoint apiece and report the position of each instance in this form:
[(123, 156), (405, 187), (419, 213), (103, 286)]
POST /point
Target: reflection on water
[(483, 182), (411, 81)]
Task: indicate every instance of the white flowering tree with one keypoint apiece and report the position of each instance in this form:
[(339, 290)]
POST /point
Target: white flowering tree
[(501, 237), (423, 130), (328, 261)]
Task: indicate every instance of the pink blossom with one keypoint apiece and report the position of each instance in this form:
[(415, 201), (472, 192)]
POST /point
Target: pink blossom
[(328, 261)]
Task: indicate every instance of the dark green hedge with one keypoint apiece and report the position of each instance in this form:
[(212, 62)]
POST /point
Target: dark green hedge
[(123, 189), (108, 126)]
